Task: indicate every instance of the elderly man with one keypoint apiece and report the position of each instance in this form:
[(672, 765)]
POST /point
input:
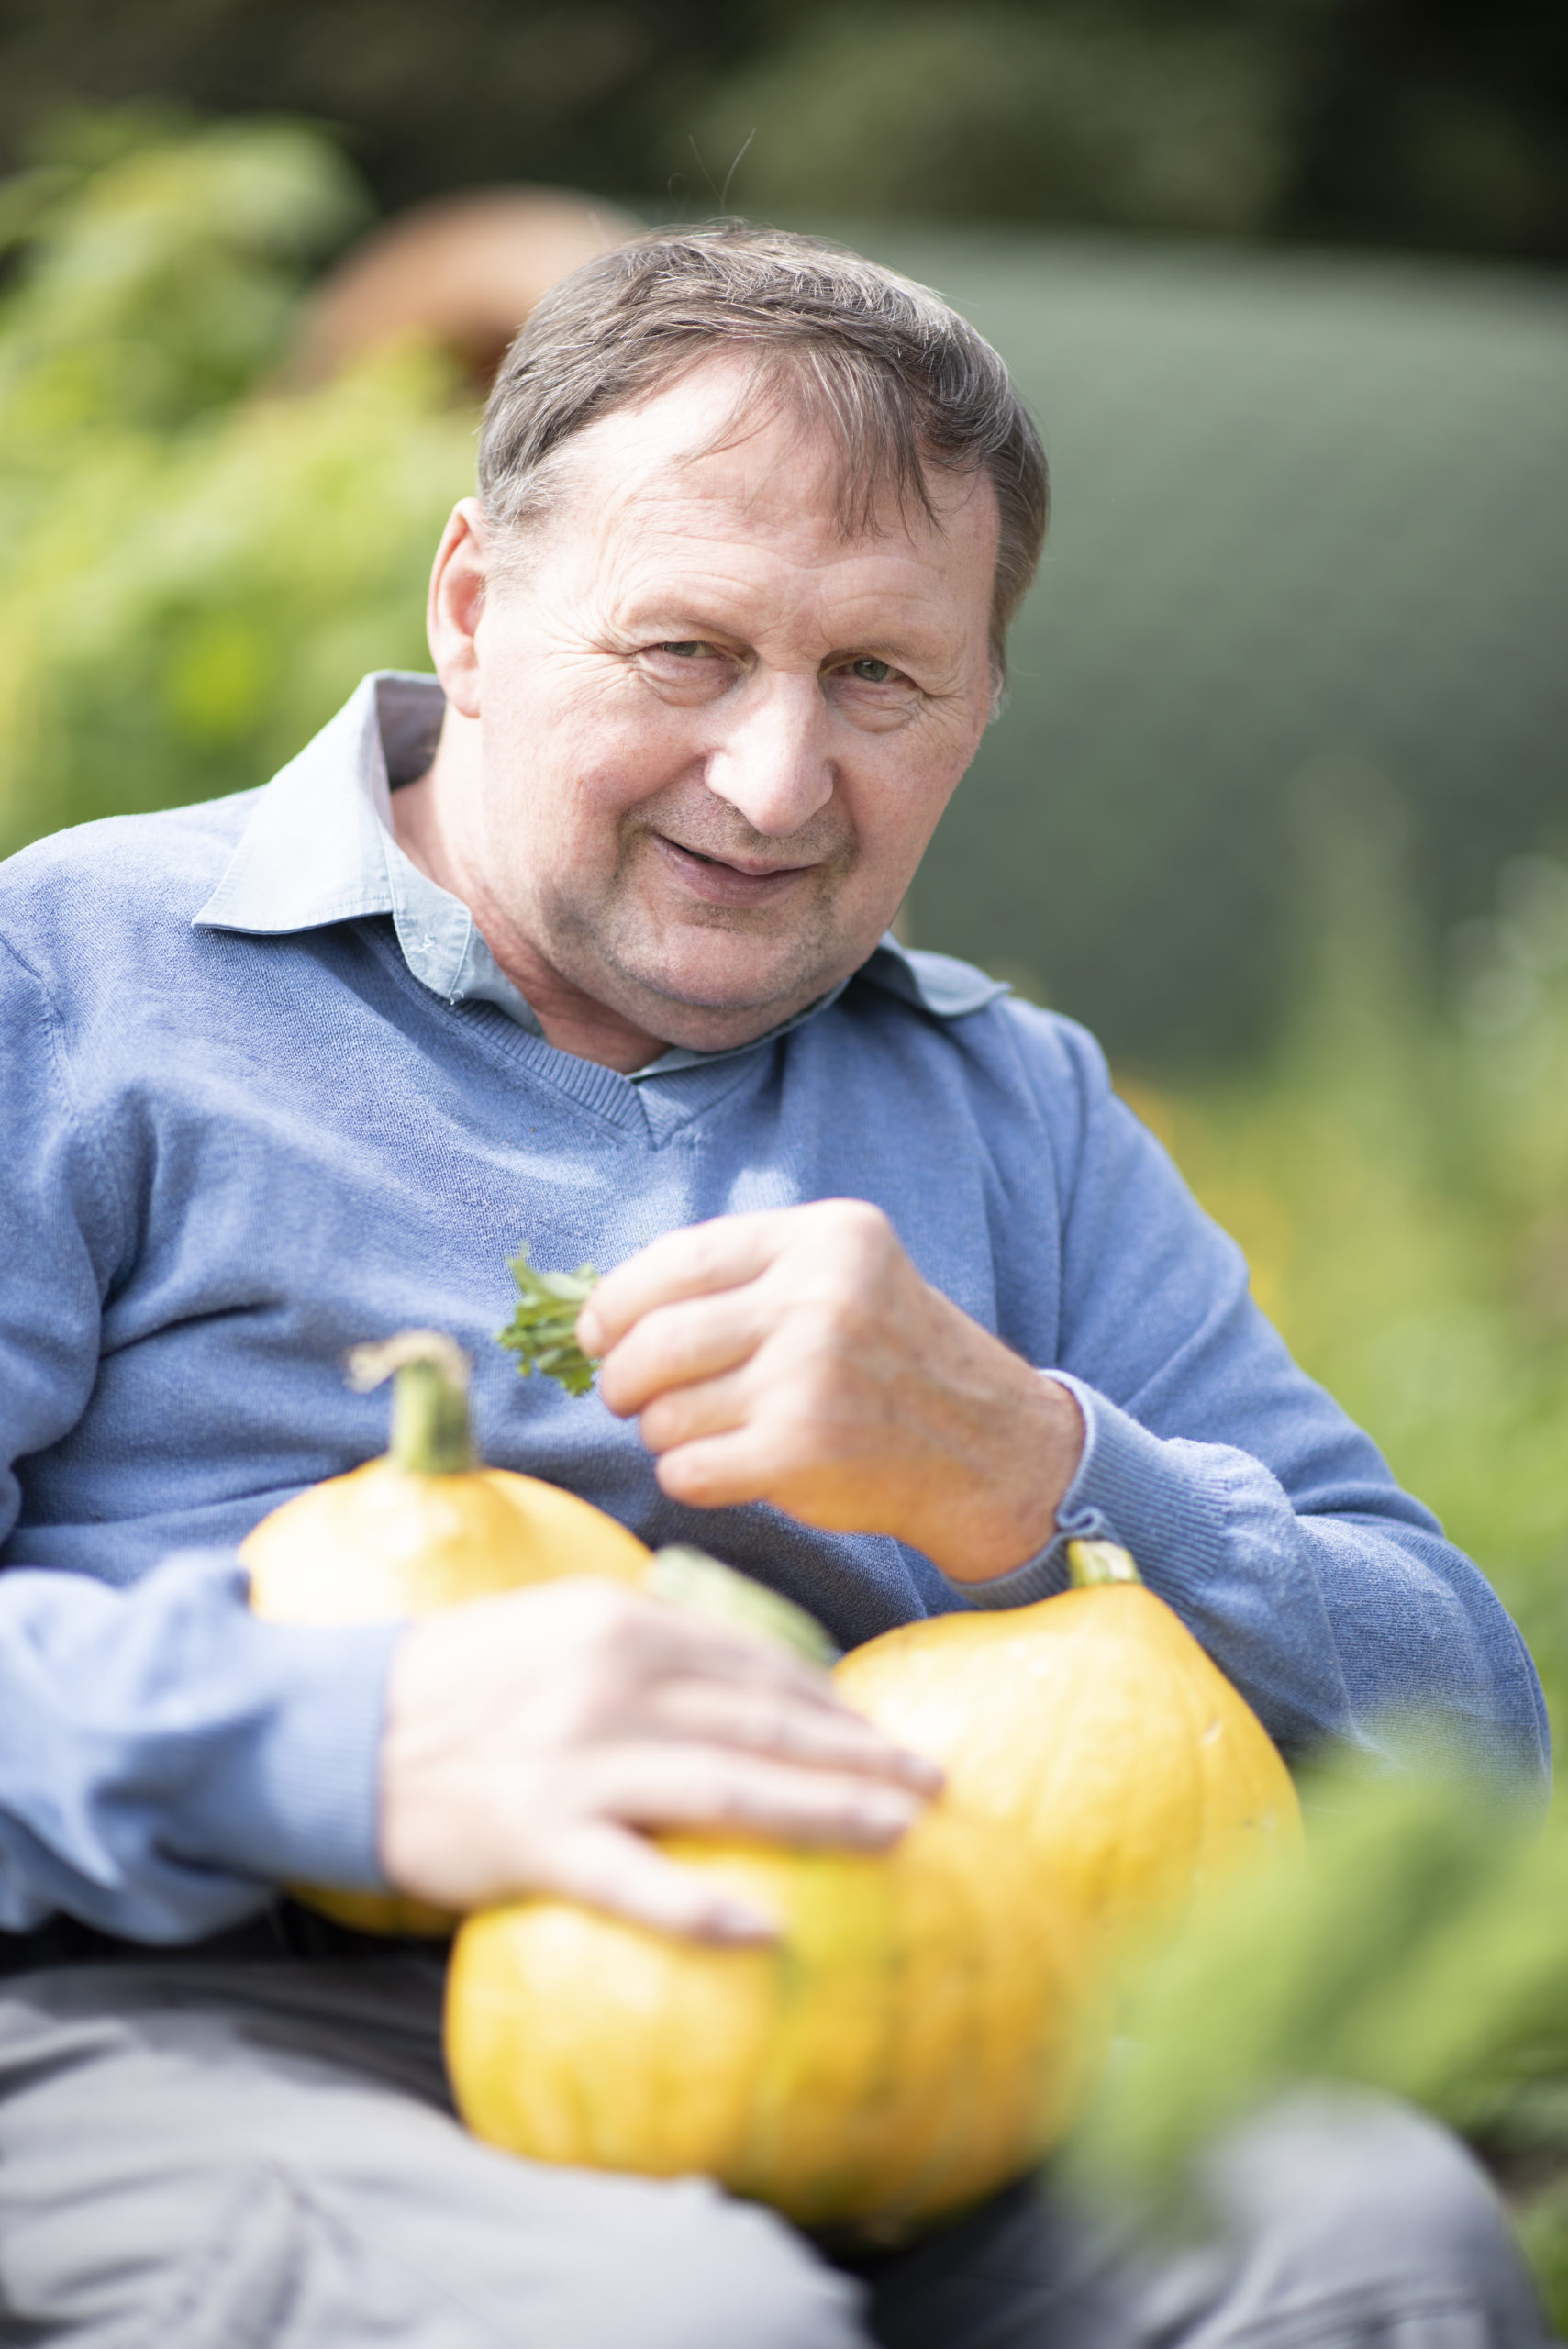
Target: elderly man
[(586, 945)]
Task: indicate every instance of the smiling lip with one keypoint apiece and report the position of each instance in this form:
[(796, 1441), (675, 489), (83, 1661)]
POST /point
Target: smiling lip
[(719, 883)]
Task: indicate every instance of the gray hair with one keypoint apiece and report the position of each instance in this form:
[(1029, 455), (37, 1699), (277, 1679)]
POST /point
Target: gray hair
[(900, 380)]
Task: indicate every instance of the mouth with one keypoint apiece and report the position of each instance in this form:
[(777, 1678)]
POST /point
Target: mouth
[(720, 882)]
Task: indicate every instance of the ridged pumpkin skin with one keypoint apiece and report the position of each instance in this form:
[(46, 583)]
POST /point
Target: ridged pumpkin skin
[(1094, 1726), (911, 2042)]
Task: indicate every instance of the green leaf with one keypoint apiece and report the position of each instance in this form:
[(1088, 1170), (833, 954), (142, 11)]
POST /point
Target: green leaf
[(542, 1333)]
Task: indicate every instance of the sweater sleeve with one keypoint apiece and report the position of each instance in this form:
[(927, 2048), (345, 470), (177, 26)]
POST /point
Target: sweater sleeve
[(1264, 1516), (163, 1756)]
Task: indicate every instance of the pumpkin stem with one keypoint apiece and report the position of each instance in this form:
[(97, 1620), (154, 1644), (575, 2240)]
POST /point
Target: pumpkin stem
[(430, 1435), (1090, 1564), (688, 1577)]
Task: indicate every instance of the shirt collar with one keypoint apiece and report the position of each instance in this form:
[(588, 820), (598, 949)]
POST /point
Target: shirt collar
[(320, 848)]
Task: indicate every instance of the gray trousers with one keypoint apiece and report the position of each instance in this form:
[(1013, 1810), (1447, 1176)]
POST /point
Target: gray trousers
[(199, 2152)]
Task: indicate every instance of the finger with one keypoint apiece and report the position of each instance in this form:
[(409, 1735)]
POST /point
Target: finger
[(736, 1465), (758, 1721), (675, 1345), (587, 1621), (654, 1785), (722, 1406), (720, 1255), (610, 1867)]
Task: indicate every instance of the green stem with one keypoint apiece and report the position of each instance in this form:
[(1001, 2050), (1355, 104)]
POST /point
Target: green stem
[(429, 1422), (1092, 1564), (430, 1435)]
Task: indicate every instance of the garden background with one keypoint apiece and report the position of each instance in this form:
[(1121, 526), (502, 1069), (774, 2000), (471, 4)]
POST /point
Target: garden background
[(1277, 803)]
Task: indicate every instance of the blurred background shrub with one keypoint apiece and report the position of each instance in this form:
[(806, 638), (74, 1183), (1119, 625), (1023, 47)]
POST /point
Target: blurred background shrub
[(190, 569), (1437, 123)]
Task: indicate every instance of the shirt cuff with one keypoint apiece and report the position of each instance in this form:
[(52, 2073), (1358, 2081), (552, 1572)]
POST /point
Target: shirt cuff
[(1130, 1488), (296, 1797)]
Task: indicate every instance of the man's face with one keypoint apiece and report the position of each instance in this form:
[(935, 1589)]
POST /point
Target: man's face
[(715, 735)]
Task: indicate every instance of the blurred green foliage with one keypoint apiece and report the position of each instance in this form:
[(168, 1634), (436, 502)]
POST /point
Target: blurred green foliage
[(164, 262), (998, 112), (193, 570), (1420, 1948), (1397, 1176), (1433, 122)]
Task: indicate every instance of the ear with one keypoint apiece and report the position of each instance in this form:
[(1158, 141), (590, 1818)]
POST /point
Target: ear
[(456, 601)]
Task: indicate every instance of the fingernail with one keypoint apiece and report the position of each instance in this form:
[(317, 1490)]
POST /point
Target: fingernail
[(590, 1337), (926, 1772)]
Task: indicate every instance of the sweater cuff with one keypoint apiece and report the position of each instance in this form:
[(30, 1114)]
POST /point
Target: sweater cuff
[(1130, 1487)]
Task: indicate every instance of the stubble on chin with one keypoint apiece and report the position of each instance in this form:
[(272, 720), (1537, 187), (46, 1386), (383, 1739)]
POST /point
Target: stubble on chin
[(621, 950)]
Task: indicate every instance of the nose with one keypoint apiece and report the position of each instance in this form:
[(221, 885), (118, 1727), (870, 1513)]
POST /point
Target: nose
[(771, 762)]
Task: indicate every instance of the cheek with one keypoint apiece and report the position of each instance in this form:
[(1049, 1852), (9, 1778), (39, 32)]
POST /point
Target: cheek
[(900, 794), (586, 745)]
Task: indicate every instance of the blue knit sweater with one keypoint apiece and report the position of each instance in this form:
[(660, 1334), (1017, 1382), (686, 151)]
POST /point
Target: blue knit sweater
[(267, 1095)]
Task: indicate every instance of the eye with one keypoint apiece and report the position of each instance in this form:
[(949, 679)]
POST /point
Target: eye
[(871, 672), (689, 650)]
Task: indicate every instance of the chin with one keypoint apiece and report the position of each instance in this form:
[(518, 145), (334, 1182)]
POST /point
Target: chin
[(693, 1002)]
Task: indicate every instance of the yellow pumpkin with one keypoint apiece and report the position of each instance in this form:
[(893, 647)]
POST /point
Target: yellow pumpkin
[(1094, 1727), (425, 1527), (914, 2038)]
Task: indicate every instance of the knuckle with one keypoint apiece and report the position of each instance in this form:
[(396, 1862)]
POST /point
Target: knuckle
[(863, 1232), (688, 1476), (601, 1607), (749, 1798), (665, 1421), (607, 1623), (616, 1379)]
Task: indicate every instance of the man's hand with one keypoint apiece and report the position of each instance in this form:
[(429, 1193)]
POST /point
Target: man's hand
[(529, 1737), (797, 1357)]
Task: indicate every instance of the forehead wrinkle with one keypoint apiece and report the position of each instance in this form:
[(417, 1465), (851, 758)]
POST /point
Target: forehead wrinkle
[(756, 403), (647, 534)]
